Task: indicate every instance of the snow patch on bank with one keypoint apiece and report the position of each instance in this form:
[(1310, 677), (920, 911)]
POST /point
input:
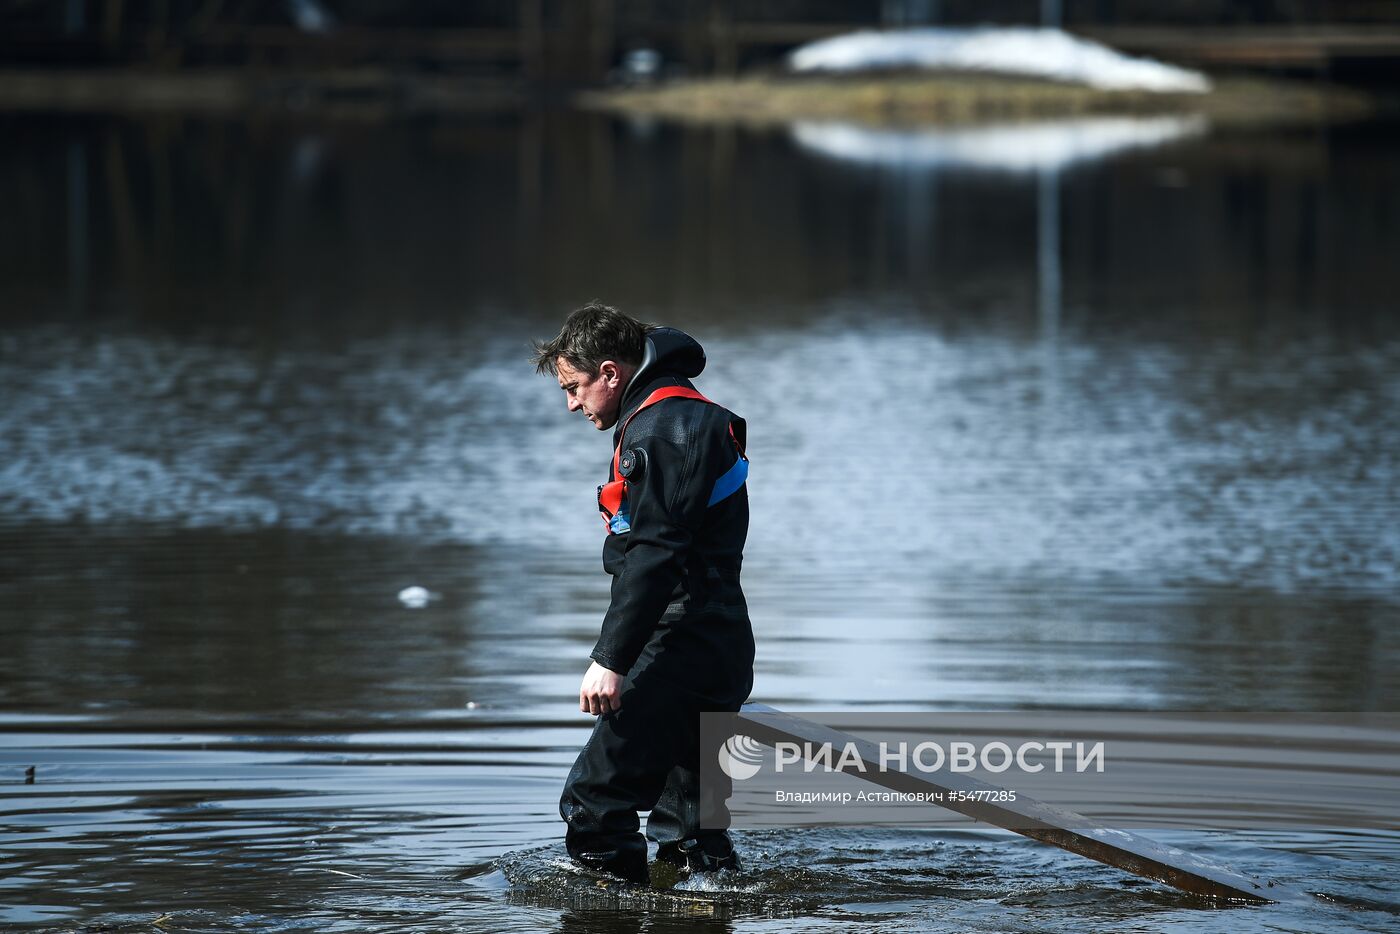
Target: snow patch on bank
[(1047, 53)]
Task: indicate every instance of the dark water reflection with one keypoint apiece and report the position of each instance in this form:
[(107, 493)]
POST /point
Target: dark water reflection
[(190, 222), (1112, 431)]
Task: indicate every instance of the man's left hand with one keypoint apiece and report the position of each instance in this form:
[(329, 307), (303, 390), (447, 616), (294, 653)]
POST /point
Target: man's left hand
[(601, 691)]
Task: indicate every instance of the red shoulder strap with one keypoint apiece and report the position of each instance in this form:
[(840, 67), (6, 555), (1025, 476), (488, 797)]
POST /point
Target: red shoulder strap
[(665, 392)]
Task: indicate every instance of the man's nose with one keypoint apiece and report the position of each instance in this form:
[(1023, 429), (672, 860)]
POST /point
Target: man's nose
[(574, 404)]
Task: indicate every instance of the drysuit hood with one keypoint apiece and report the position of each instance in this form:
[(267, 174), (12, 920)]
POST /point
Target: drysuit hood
[(669, 352)]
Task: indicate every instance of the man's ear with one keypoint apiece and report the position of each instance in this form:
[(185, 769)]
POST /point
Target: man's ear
[(610, 371)]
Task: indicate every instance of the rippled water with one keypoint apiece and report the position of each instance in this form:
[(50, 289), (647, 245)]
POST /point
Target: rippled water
[(1140, 458)]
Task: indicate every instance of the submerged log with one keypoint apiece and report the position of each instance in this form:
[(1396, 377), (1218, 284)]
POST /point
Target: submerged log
[(1121, 849)]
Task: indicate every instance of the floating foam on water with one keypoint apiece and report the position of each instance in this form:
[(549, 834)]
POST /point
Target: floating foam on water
[(1047, 53), (415, 597)]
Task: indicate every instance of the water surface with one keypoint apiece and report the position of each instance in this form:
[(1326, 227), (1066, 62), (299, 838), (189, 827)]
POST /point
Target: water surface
[(1110, 432)]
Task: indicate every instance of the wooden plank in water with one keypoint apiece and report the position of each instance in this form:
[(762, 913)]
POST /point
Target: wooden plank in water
[(1130, 852)]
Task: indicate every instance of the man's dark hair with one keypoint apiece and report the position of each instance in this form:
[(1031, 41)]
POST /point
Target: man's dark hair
[(592, 334)]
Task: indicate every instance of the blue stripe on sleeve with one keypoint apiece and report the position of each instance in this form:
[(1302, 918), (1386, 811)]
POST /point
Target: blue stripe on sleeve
[(729, 484)]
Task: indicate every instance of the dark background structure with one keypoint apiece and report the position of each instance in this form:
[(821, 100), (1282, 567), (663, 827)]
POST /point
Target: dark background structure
[(582, 41)]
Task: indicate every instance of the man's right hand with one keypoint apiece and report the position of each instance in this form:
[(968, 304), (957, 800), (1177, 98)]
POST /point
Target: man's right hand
[(601, 691)]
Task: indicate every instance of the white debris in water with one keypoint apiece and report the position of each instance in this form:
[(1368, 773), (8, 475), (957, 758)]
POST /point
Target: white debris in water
[(1051, 54), (415, 598), (1019, 147), (311, 15)]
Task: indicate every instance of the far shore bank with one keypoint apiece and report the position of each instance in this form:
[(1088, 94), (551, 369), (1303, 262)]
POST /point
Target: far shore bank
[(366, 93), (776, 98), (907, 98)]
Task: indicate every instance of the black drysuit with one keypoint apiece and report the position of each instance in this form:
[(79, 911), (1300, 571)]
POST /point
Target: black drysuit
[(677, 627)]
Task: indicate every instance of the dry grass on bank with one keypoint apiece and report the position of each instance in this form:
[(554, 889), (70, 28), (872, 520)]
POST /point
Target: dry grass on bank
[(360, 93), (911, 98)]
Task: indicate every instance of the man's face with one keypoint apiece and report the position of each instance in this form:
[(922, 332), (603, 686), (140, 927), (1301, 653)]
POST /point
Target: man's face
[(597, 395)]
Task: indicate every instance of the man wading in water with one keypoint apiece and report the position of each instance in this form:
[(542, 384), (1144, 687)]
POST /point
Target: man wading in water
[(676, 638)]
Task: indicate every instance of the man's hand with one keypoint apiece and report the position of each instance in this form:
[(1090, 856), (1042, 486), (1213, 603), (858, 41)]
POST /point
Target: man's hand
[(601, 691)]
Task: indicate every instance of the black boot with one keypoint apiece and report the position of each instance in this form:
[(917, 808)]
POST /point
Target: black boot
[(624, 858), (709, 853)]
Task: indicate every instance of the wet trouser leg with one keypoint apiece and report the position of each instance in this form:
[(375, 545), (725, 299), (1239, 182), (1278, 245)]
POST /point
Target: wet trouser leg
[(621, 770), (689, 818), (642, 757), (687, 808), (676, 814)]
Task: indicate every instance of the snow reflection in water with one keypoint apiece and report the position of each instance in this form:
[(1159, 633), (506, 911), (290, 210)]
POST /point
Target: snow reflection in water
[(1015, 147)]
